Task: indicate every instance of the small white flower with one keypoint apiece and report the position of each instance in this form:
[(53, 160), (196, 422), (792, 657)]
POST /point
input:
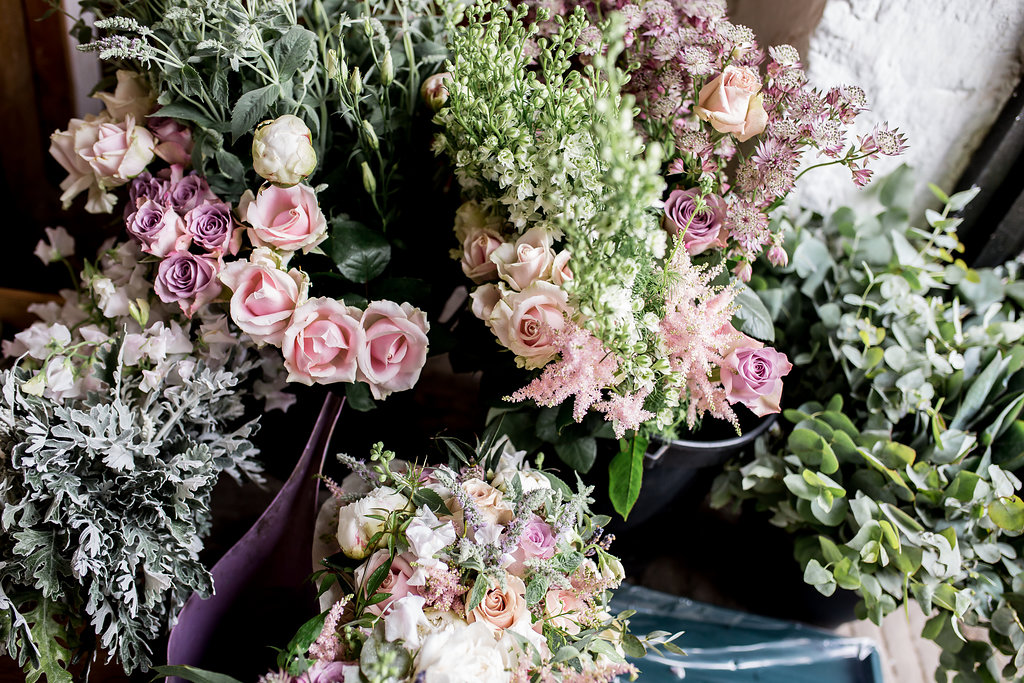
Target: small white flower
[(57, 245)]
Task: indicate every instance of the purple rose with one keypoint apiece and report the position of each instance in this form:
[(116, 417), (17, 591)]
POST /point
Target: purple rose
[(702, 227), (211, 227), (188, 279), (186, 192), (752, 375), (145, 186), (157, 228)]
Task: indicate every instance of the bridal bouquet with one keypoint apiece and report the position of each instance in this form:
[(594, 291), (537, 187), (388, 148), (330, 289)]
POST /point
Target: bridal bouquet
[(608, 195), (484, 570)]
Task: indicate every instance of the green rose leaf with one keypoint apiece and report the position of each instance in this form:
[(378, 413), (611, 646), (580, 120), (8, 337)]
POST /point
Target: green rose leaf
[(360, 253)]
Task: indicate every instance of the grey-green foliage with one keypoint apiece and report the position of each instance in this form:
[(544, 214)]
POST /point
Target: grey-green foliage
[(896, 473), (105, 504)]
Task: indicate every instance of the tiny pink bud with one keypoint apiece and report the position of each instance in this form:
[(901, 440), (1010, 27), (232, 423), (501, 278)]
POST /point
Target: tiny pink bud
[(743, 271), (777, 256)]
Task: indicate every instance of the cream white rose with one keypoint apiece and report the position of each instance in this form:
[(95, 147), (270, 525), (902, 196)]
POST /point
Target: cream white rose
[(356, 527), (282, 150), (462, 655), (527, 261)]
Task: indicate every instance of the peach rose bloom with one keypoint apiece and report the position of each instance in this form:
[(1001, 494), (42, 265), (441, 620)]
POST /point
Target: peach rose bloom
[(501, 608), (489, 502), (732, 103), (477, 248)]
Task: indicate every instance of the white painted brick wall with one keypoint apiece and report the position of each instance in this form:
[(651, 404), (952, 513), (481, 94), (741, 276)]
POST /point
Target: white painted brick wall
[(940, 70)]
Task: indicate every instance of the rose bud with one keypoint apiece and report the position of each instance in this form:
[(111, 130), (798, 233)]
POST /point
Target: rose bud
[(282, 150)]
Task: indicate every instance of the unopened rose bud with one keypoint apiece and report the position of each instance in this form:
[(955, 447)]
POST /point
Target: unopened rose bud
[(369, 182), (282, 151), (434, 90), (777, 256)]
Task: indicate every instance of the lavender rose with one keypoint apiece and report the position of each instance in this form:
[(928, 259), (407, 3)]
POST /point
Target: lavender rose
[(157, 228), (186, 192), (145, 186), (702, 228), (187, 279), (752, 375), (211, 227)]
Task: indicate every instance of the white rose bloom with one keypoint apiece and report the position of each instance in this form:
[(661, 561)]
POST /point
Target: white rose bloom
[(282, 150), (464, 655), (356, 527)]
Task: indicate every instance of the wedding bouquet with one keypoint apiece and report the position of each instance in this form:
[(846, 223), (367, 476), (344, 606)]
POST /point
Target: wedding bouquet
[(484, 570), (116, 421), (608, 195)]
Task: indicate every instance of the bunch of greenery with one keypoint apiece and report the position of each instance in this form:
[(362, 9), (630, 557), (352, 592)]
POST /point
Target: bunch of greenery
[(896, 476)]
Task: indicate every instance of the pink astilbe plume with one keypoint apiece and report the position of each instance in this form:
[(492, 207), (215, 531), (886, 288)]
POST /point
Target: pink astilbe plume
[(584, 370), (696, 333), (625, 412), (325, 647)]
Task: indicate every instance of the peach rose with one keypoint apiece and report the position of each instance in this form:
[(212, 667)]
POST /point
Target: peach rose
[(81, 134), (501, 608), (264, 296), (285, 218), (488, 501), (322, 341), (526, 322), (732, 103), (395, 349), (527, 261), (483, 300)]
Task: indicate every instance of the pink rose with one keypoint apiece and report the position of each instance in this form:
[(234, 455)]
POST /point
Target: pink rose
[(211, 226), (704, 227), (395, 349), (752, 375), (396, 582), (484, 299), (186, 191), (564, 610), (187, 279), (477, 248), (264, 296), (120, 152), (286, 218), (560, 271), (732, 103), (526, 322), (175, 140), (536, 542), (527, 261), (157, 228), (64, 146), (321, 342)]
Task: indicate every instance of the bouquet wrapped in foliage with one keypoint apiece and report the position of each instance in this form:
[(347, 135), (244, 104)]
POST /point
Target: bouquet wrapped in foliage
[(600, 240), (485, 570), (116, 421), (897, 475)]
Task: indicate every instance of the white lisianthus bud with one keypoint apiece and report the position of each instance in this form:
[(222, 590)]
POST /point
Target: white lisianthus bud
[(355, 82), (282, 151), (371, 136), (387, 70), (369, 182)]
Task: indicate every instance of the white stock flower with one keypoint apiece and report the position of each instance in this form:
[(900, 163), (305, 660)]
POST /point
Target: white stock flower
[(356, 527), (282, 150), (462, 655)]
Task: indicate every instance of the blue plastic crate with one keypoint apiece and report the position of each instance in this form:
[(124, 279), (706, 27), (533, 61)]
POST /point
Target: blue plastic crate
[(725, 645)]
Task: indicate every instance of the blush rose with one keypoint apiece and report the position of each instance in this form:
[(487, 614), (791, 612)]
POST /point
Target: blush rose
[(322, 341), (395, 347), (732, 103)]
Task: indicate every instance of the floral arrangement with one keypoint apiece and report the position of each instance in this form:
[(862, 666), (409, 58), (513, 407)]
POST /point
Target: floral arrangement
[(896, 473), (600, 241), (485, 570), (116, 421), (344, 84)]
